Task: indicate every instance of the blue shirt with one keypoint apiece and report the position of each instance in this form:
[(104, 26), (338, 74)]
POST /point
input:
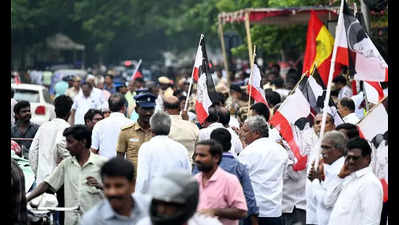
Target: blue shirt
[(232, 165), (103, 213)]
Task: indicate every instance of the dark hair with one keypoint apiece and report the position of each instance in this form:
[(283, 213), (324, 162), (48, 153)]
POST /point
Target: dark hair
[(224, 116), (109, 75), (79, 132), (340, 79), (278, 82), (139, 79), (168, 105), (118, 167), (272, 97), (361, 144), (91, 113), (21, 104), (86, 83), (116, 101), (214, 148), (62, 105), (351, 130), (212, 114), (222, 136), (348, 103), (262, 110)]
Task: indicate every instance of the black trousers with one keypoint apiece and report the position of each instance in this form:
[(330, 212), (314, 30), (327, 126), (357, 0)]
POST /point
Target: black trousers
[(298, 216), (270, 221), (384, 214)]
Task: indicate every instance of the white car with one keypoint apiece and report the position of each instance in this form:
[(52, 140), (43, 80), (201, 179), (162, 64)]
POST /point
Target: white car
[(41, 104)]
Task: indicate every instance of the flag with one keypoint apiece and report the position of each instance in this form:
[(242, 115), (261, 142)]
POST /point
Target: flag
[(206, 93), (374, 123), (138, 74), (356, 50), (319, 48), (198, 60), (294, 108), (254, 87), (373, 91), (315, 92)]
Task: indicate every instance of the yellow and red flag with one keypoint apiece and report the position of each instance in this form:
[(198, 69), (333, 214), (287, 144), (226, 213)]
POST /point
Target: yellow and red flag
[(319, 48)]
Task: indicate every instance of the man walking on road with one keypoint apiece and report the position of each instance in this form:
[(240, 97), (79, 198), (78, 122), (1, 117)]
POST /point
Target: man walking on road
[(105, 133), (160, 155)]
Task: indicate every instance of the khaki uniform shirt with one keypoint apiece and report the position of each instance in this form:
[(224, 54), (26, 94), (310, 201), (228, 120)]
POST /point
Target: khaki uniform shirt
[(130, 139), (184, 132), (74, 178)]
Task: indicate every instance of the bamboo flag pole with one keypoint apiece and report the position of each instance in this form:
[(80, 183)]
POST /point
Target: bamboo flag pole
[(226, 64), (250, 76), (192, 77), (247, 28), (328, 94)]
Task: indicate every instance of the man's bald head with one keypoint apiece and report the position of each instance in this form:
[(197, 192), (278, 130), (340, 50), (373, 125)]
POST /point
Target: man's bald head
[(171, 105)]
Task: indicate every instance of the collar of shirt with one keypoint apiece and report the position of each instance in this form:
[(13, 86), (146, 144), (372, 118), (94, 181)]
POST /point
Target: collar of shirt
[(227, 155), (215, 176), (138, 127), (217, 124), (91, 160), (109, 212), (116, 114), (362, 172), (176, 117)]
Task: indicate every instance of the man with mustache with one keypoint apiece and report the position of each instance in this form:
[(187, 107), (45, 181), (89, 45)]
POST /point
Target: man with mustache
[(131, 137), (120, 205), (360, 192), (221, 193), (23, 128)]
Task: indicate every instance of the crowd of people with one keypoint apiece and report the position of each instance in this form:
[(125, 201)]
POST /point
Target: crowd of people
[(137, 155)]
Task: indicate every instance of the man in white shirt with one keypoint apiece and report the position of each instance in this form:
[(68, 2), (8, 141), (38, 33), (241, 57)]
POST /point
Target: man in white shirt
[(360, 193), (160, 154), (310, 148), (224, 118), (83, 102), (210, 124), (333, 148), (266, 161), (105, 133), (340, 83), (346, 108), (48, 147)]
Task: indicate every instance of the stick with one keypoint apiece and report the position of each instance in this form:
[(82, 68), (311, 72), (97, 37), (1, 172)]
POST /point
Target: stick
[(250, 76), (332, 67), (192, 78), (137, 68)]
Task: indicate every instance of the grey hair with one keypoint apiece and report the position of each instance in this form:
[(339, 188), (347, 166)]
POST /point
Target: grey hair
[(337, 139), (160, 123), (258, 124)]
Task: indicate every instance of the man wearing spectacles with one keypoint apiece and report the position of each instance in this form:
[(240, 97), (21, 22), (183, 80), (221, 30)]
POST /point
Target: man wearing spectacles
[(360, 192)]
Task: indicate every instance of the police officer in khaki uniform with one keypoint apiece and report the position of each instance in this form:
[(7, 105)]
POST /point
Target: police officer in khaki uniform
[(133, 136)]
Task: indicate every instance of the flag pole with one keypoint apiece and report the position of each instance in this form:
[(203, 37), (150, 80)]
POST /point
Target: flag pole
[(192, 79), (252, 62), (137, 68), (328, 91)]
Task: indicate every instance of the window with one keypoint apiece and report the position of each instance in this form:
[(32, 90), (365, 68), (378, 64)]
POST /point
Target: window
[(27, 95)]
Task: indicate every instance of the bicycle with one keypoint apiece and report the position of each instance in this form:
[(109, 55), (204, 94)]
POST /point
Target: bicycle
[(45, 215)]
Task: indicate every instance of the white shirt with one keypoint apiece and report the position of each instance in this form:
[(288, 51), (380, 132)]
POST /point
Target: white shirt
[(105, 134), (266, 161), (234, 122), (98, 93), (360, 201), (236, 145), (351, 118), (321, 191), (158, 156), (310, 139), (82, 104), (48, 146), (381, 161), (345, 92), (293, 187)]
